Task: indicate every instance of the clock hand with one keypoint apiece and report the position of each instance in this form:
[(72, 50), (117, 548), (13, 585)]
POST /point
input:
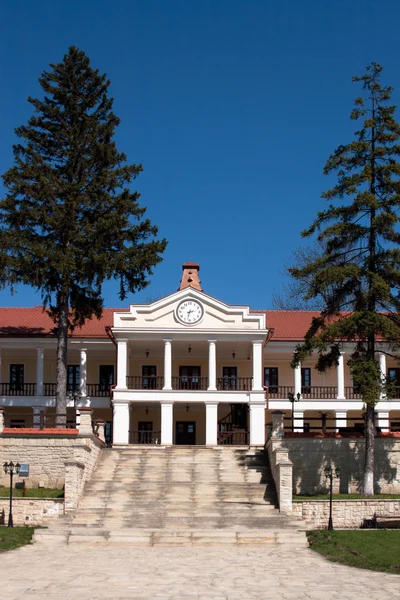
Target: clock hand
[(189, 311)]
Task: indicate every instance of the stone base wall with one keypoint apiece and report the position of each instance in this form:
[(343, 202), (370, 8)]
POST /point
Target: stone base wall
[(46, 456), (311, 455), (346, 514), (31, 511)]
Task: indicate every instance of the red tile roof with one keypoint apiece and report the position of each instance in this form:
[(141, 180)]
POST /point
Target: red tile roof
[(287, 324), (35, 321)]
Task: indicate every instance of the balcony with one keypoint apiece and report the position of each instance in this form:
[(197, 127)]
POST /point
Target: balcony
[(94, 390), (318, 392), (228, 384)]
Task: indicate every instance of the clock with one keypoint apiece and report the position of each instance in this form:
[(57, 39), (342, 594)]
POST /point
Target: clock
[(189, 312)]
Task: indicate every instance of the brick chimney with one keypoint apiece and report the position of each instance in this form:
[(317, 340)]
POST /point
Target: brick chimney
[(190, 276)]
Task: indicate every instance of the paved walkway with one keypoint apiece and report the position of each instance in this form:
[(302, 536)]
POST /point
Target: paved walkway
[(67, 572)]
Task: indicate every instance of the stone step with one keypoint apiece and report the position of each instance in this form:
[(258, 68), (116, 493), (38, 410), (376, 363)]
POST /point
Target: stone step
[(161, 537)]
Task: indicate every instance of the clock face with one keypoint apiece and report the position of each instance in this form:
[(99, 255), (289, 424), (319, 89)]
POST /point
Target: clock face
[(190, 312)]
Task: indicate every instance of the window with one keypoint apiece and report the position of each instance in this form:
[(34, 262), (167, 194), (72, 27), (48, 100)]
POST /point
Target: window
[(189, 378), (73, 378), (394, 376), (106, 377), (149, 373), (271, 379), (305, 380), (16, 377), (229, 376)]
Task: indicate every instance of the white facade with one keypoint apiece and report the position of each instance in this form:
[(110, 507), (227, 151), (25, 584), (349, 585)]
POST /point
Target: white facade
[(186, 369)]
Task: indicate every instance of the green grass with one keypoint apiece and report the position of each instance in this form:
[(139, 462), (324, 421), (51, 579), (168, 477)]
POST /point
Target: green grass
[(373, 549), (346, 497), (31, 492), (15, 537)]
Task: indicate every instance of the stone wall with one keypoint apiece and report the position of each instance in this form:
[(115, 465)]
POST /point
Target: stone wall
[(31, 511), (346, 514), (311, 455), (281, 466), (45, 455)]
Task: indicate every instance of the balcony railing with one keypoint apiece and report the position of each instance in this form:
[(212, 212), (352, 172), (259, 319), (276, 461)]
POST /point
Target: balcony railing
[(144, 383), (234, 384), (280, 391), (17, 389), (145, 437), (97, 390), (319, 392), (42, 420), (93, 390), (189, 383)]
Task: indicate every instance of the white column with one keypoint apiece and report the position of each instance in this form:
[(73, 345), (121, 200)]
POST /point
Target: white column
[(36, 416), (83, 373), (340, 377), (298, 420), (297, 379), (39, 371), (167, 421), (257, 424), (382, 368), (212, 365), (341, 419), (383, 421), (122, 364), (167, 365), (121, 423), (211, 423), (257, 365)]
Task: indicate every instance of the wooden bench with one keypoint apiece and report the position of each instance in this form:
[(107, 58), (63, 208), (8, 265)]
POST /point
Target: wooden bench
[(387, 521)]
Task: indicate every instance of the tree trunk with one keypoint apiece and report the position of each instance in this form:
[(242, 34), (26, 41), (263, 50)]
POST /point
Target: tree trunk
[(368, 484), (61, 398)]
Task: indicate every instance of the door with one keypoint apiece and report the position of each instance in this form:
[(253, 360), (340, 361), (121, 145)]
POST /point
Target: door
[(106, 377), (17, 377), (229, 376), (239, 416), (149, 374), (189, 378), (185, 433), (145, 432)]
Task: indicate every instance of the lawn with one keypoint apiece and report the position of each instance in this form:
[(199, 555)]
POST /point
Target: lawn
[(31, 492), (346, 497), (15, 537), (374, 550)]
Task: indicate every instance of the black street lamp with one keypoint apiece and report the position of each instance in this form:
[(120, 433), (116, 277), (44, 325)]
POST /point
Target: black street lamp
[(11, 468), (293, 398), (330, 474)]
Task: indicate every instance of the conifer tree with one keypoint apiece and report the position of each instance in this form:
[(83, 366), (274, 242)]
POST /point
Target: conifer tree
[(360, 269), (69, 220)]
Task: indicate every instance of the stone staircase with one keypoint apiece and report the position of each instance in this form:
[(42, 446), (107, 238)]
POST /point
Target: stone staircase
[(152, 495)]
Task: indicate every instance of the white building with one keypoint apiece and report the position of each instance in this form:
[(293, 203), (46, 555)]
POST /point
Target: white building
[(186, 369)]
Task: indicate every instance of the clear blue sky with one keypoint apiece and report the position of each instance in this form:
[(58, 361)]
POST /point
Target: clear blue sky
[(231, 106)]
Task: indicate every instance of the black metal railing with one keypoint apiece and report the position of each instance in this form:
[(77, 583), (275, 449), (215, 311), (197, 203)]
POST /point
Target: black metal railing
[(40, 420), (136, 382), (17, 389), (234, 437), (280, 391), (145, 437), (97, 390), (234, 384), (319, 392), (189, 383)]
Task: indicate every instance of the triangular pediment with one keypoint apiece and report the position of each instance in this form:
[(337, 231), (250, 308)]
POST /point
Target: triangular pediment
[(192, 310)]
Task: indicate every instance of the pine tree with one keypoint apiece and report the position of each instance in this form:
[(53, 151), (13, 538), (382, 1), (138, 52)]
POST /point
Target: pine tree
[(69, 220), (360, 269)]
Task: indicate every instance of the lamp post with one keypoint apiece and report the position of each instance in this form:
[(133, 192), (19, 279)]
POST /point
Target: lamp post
[(293, 398), (11, 468), (330, 474)]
